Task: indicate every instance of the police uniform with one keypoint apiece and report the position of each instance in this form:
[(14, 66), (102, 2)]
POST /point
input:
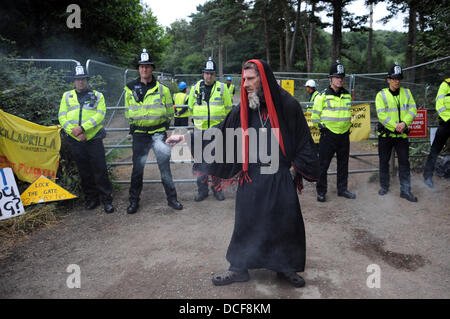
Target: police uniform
[(331, 114), (231, 88), (181, 113), (443, 131), (209, 106), (149, 110), (87, 110), (394, 107)]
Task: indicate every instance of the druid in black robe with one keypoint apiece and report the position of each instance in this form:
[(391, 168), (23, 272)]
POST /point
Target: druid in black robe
[(269, 231)]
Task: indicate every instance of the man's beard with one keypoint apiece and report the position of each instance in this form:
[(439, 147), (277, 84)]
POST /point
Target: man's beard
[(254, 100)]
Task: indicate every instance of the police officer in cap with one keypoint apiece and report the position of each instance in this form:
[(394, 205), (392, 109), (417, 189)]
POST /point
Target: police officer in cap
[(149, 110), (331, 114), (81, 114), (396, 109), (209, 102)]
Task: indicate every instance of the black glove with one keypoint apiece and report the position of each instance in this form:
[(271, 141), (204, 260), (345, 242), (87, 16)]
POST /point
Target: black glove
[(322, 128)]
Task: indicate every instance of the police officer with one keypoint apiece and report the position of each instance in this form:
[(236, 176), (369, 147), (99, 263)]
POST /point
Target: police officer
[(181, 113), (81, 114), (310, 87), (396, 109), (443, 131), (149, 110), (231, 87), (331, 114), (209, 102)]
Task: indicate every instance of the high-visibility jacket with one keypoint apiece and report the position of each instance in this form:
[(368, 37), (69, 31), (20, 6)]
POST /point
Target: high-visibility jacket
[(333, 111), (443, 100), (89, 116), (392, 110), (212, 112), (181, 98), (231, 89), (155, 109), (311, 100)]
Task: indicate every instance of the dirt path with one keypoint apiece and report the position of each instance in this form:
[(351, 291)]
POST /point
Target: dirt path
[(163, 253)]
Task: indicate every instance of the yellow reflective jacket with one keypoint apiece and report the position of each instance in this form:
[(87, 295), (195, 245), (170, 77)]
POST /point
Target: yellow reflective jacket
[(392, 110), (89, 116), (155, 109), (333, 111), (181, 98), (212, 112), (443, 100)]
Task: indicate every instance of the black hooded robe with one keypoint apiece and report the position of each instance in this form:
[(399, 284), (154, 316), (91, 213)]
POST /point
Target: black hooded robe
[(269, 231)]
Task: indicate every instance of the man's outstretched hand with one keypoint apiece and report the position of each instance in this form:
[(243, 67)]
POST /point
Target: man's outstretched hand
[(175, 139)]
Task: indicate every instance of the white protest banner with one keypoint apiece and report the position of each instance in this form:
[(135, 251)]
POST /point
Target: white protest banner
[(10, 202)]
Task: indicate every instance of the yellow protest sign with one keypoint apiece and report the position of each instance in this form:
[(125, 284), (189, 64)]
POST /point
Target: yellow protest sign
[(360, 129), (288, 85), (315, 133), (31, 150), (44, 190)]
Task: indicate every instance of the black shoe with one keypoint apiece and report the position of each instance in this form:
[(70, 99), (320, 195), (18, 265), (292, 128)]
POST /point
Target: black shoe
[(409, 196), (109, 208), (321, 198), (228, 277), (382, 191), (429, 182), (133, 208), (292, 278), (219, 195), (92, 204), (200, 196), (175, 204), (347, 194)]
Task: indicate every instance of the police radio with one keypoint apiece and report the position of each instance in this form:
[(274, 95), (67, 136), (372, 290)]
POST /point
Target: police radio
[(138, 92), (201, 96)]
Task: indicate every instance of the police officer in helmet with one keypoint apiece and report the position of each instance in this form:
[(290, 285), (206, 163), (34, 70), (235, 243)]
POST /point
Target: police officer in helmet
[(81, 114)]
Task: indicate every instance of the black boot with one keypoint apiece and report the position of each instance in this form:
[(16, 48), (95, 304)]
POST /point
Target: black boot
[(347, 194), (133, 207), (408, 196), (174, 204), (109, 208), (321, 198), (92, 204), (219, 195)]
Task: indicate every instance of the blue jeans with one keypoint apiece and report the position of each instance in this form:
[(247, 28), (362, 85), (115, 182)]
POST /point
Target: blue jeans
[(142, 143)]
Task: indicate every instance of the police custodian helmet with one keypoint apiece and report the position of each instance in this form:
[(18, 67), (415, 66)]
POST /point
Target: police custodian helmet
[(80, 72), (210, 66), (145, 58), (337, 70), (395, 72)]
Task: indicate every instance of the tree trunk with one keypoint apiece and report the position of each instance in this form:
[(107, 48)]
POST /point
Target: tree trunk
[(336, 45), (220, 58), (280, 37), (310, 59), (287, 35), (294, 35), (370, 45), (266, 36), (412, 39)]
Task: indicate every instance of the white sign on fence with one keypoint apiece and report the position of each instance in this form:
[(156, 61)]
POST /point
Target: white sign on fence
[(10, 201)]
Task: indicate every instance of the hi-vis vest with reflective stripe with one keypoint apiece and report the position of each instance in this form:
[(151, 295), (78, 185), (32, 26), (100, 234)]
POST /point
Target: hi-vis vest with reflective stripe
[(181, 98), (219, 106), (91, 115), (443, 100), (156, 107), (332, 111), (311, 100), (231, 89), (388, 107)]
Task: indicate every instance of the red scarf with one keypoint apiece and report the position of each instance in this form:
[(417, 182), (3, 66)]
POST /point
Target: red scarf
[(244, 116)]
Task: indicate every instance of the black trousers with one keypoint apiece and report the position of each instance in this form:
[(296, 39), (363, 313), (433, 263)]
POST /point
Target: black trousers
[(91, 163), (142, 143), (181, 121), (401, 145), (330, 144), (442, 135)]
